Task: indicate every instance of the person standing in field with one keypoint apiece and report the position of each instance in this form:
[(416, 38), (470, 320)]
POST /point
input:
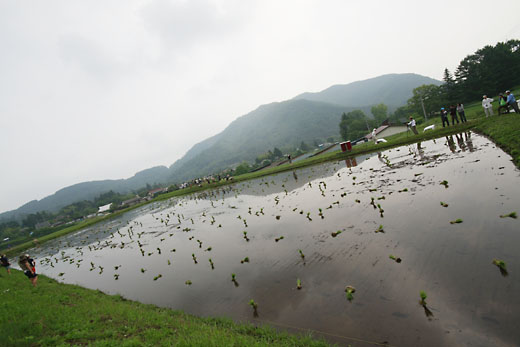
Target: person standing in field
[(453, 113), (28, 267), (460, 110), (511, 101), (486, 104), (444, 117), (5, 263), (412, 126)]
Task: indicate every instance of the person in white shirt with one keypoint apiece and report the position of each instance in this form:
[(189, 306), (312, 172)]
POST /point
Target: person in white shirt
[(486, 104), (412, 126)]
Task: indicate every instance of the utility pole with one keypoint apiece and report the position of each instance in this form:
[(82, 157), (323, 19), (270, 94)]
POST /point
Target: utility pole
[(424, 111)]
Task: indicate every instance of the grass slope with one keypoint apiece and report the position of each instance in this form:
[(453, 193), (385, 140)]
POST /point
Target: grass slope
[(60, 314)]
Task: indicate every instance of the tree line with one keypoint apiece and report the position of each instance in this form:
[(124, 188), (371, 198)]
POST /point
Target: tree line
[(488, 71)]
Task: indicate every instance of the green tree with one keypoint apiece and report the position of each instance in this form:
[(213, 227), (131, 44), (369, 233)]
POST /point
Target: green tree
[(353, 125), (430, 96), (277, 153), (242, 168), (380, 113)]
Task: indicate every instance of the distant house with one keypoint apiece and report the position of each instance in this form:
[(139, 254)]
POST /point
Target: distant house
[(104, 208), (131, 202), (387, 130)]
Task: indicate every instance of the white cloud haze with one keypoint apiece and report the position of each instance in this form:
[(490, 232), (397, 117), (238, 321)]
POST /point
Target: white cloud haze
[(94, 90)]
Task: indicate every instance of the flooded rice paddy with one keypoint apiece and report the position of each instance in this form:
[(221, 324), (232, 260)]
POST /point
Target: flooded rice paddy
[(380, 224)]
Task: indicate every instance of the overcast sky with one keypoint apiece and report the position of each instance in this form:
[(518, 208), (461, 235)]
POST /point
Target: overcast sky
[(93, 90)]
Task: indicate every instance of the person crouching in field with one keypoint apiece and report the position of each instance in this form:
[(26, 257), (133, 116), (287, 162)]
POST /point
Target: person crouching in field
[(5, 263), (28, 267)]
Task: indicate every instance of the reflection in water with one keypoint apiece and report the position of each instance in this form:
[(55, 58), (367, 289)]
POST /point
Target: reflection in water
[(351, 162), (157, 246), (469, 142), (427, 312), (460, 142), (451, 143)]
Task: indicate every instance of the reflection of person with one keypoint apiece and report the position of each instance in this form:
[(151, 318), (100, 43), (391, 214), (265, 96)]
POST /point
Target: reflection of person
[(469, 142), (511, 101), (412, 126), (451, 143), (486, 104), (374, 138), (460, 110), (28, 267), (502, 104), (460, 142), (453, 113), (444, 117), (5, 263)]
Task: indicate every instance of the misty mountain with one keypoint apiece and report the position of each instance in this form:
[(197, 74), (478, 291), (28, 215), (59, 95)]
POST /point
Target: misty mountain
[(393, 90), (280, 124), (307, 117), (89, 191)]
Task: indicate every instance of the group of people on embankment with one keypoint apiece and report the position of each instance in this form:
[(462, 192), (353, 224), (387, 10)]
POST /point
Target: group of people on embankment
[(504, 102), (453, 111)]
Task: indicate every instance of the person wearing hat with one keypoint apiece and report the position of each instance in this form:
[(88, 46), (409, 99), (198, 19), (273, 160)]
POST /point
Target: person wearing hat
[(28, 267), (511, 101), (444, 117), (412, 126), (486, 104), (4, 261), (502, 103)]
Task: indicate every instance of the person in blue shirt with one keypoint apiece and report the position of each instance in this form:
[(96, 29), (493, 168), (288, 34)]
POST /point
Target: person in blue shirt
[(512, 101)]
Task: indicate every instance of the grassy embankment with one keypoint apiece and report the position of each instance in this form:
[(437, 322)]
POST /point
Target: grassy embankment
[(61, 314)]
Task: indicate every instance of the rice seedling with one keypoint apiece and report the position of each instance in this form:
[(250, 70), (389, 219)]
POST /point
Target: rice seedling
[(61, 274), (396, 259), (254, 305), (380, 229), (423, 296), (245, 260), (208, 249), (194, 258), (159, 250), (445, 184), (301, 254), (443, 204), (298, 284), (403, 190), (278, 239), (321, 213), (511, 215), (456, 221), (211, 264), (173, 250), (309, 216), (350, 291), (358, 201), (116, 276), (336, 233), (501, 266), (278, 217), (188, 283)]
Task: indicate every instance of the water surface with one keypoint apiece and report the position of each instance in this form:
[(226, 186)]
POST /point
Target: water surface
[(148, 254)]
